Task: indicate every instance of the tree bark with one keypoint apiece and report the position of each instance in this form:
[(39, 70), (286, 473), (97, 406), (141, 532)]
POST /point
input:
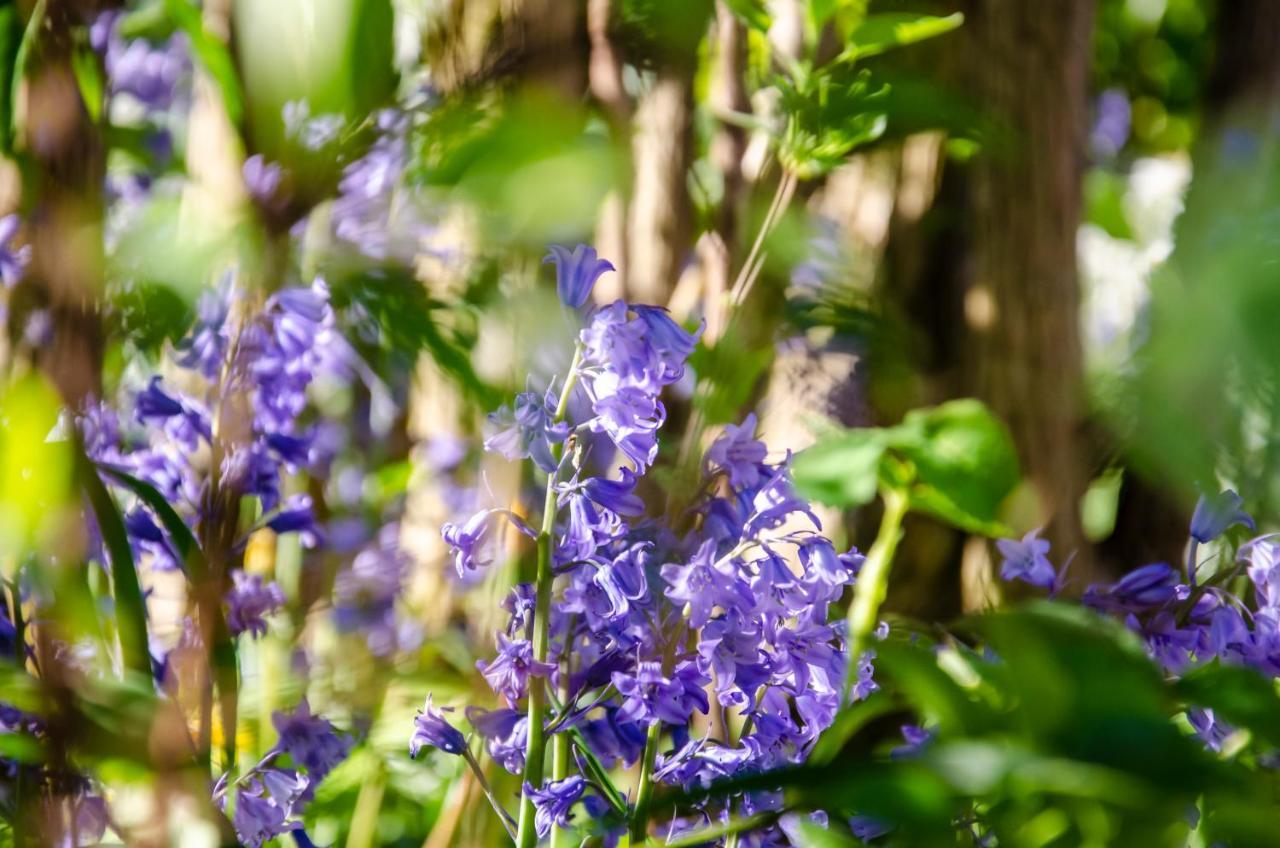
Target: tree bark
[(1029, 69), (661, 211)]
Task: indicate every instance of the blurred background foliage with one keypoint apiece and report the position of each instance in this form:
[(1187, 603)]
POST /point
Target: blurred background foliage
[(1066, 210)]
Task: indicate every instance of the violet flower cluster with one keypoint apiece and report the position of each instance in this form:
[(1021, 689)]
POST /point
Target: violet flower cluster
[(1185, 621), (699, 644)]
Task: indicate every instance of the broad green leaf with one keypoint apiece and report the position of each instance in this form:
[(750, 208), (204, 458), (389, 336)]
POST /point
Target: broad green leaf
[(91, 80), (842, 470), (131, 609), (884, 31), (848, 722), (965, 463), (21, 57), (36, 471), (808, 834), (10, 40)]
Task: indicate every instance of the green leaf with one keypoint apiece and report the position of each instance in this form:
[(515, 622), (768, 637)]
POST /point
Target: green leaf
[(212, 54), (131, 609), (10, 40), (809, 834), (226, 665), (184, 541), (1240, 695), (20, 59), (753, 13), (842, 470), (727, 376), (965, 463), (848, 722), (91, 80), (886, 31)]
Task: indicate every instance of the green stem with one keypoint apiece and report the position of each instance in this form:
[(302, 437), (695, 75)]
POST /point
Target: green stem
[(503, 816), (535, 748), (644, 791), (731, 828), (873, 582)]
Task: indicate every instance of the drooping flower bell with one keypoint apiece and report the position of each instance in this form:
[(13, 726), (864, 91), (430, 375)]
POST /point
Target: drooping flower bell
[(576, 272)]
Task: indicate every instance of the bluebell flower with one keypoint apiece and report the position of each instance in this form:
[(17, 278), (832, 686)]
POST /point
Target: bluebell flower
[(631, 418), (704, 583), (554, 801), (914, 738), (614, 740), (617, 496), (1026, 560), (249, 601), (364, 594), (1263, 557), (433, 729), (1214, 514), (262, 179), (576, 272), (505, 731), (1143, 588), (1209, 727), (311, 741), (204, 348), (509, 672), (297, 515), (738, 453), (13, 261), (649, 696), (266, 805), (528, 432), (471, 542)]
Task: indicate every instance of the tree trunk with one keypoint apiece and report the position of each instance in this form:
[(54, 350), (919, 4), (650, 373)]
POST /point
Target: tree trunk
[(1029, 70), (661, 210), (63, 283)]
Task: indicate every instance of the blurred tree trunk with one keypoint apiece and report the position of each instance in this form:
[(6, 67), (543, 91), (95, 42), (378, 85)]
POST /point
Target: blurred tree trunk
[(661, 212), (56, 310), (1028, 66)]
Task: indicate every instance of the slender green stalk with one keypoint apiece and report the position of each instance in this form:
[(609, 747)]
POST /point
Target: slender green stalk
[(503, 815), (535, 748), (873, 581), (644, 791), (731, 828)]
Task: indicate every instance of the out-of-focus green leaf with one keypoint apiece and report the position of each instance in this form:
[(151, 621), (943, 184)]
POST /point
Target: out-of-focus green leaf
[(1104, 203), (10, 39), (843, 470), (1240, 695), (530, 163), (91, 80), (845, 14), (211, 53), (727, 377), (21, 57), (808, 834), (885, 31), (131, 609), (830, 112), (36, 471), (754, 13), (848, 723), (965, 463), (412, 322)]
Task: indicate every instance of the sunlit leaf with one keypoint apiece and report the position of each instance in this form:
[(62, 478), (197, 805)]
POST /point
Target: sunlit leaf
[(883, 31)]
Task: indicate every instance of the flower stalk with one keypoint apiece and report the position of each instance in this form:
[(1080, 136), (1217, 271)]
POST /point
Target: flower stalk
[(873, 581), (535, 748)]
